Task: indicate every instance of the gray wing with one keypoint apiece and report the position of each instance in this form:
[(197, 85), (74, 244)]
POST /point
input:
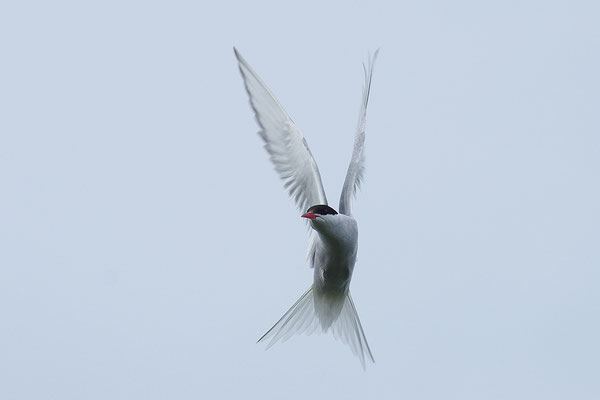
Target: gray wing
[(357, 163), (286, 146)]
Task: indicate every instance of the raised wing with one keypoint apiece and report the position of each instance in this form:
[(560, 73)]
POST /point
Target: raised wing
[(357, 163), (285, 144)]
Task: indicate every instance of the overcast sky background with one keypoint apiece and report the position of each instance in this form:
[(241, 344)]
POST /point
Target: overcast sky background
[(146, 242)]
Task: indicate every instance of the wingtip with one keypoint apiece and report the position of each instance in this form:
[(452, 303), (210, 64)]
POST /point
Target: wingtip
[(237, 53), (374, 58)]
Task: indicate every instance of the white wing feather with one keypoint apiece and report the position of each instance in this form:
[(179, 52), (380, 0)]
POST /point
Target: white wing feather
[(285, 144), (357, 163)]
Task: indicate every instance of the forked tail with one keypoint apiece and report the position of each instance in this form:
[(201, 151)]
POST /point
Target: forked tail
[(301, 318)]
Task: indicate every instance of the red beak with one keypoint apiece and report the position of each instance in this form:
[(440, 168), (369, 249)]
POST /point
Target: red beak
[(309, 215)]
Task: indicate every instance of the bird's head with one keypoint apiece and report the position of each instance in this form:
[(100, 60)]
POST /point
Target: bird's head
[(319, 215)]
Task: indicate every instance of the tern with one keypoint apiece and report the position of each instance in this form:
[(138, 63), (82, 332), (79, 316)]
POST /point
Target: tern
[(333, 240)]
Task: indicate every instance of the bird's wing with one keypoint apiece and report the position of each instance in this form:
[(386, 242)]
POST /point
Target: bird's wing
[(357, 163), (285, 144)]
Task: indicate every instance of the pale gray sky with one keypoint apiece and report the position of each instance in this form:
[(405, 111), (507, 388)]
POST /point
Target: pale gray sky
[(146, 242)]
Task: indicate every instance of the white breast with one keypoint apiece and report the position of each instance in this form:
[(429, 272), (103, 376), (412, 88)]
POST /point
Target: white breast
[(336, 248)]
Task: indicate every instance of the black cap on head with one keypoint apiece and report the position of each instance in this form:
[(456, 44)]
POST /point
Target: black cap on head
[(321, 209)]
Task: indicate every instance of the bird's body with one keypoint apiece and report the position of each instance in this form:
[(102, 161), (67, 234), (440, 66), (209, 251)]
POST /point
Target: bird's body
[(333, 239), (335, 256)]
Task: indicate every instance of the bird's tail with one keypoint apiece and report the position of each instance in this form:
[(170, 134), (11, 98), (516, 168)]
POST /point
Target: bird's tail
[(313, 312)]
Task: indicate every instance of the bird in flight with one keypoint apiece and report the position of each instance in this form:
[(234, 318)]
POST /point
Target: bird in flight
[(333, 240)]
